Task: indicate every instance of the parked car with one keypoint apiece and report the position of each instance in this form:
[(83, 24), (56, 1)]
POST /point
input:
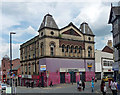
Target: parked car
[(3, 86)]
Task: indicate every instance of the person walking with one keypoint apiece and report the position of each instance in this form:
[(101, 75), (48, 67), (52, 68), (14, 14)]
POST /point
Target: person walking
[(83, 85), (51, 84), (92, 85), (80, 86), (103, 88), (77, 84), (114, 87)]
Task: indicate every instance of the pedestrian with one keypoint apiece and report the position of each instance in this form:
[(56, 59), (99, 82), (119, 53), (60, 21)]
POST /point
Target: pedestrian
[(114, 87), (83, 85), (103, 88), (92, 85), (27, 84), (77, 84), (32, 84), (51, 84), (80, 86)]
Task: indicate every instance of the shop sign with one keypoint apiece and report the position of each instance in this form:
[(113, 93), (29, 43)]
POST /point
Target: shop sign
[(42, 67), (89, 65), (73, 70)]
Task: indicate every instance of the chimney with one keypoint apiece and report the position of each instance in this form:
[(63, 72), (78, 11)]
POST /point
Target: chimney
[(109, 43)]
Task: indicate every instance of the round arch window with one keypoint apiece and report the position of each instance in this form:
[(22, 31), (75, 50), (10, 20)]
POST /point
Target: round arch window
[(52, 33), (89, 38)]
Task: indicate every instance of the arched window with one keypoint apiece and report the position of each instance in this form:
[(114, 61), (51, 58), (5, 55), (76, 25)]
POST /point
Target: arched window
[(67, 49), (29, 68), (63, 48), (89, 51), (72, 47), (52, 46), (26, 68), (22, 68), (33, 67), (42, 49), (80, 51), (76, 48)]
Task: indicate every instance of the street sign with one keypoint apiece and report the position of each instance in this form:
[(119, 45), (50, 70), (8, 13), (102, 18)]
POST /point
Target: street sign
[(42, 67)]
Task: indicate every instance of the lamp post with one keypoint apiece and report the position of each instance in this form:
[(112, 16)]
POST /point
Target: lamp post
[(11, 59)]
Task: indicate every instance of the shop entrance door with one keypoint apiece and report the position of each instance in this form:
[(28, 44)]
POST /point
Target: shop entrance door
[(62, 77)]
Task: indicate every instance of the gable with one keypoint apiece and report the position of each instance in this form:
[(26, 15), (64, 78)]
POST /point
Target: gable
[(71, 32), (107, 49)]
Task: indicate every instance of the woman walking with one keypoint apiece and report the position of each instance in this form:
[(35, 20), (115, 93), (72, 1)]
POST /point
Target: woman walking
[(103, 88)]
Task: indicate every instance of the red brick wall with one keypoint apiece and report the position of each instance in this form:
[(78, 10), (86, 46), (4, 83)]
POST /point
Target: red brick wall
[(6, 66)]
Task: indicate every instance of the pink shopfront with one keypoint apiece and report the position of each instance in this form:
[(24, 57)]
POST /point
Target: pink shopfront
[(61, 70)]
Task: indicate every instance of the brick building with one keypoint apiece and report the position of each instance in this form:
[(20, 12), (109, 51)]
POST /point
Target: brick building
[(5, 66), (67, 53)]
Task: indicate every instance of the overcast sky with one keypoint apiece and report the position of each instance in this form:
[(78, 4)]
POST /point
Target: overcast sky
[(24, 17)]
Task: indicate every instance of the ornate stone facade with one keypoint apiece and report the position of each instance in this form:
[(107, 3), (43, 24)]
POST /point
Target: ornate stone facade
[(67, 43)]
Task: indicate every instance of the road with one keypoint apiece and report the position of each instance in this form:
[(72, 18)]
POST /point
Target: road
[(63, 88)]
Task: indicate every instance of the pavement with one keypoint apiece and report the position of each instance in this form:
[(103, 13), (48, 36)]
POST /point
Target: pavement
[(64, 88)]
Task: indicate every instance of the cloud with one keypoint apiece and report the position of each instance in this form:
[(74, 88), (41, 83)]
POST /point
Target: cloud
[(101, 41), (5, 50), (25, 19)]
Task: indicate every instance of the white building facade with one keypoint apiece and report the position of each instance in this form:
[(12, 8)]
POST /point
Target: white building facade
[(103, 64)]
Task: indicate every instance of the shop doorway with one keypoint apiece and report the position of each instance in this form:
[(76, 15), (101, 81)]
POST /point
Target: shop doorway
[(72, 77), (62, 77)]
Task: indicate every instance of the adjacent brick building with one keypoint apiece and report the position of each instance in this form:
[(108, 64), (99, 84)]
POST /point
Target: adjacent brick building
[(6, 69), (68, 54)]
